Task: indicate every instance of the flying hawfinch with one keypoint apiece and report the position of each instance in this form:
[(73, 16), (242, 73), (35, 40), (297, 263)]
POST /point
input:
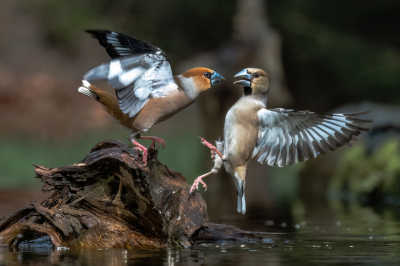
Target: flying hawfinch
[(147, 92), (274, 136)]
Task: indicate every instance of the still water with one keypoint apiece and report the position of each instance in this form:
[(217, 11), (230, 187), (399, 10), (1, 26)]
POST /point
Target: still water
[(351, 235)]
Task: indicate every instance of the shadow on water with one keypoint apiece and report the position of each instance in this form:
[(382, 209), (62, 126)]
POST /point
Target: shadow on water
[(343, 234)]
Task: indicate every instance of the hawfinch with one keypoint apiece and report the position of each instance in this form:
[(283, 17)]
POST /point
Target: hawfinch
[(147, 92), (274, 136)]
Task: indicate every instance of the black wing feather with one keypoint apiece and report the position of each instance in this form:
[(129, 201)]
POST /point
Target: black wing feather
[(120, 45)]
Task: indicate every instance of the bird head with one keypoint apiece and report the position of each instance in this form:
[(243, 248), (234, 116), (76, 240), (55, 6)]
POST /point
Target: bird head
[(203, 78), (254, 81)]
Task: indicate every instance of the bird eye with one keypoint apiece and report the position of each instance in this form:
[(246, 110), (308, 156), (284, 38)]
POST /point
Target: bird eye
[(256, 75), (207, 75)]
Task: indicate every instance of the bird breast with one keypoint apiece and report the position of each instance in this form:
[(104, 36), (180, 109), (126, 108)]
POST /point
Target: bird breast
[(159, 109), (241, 131)]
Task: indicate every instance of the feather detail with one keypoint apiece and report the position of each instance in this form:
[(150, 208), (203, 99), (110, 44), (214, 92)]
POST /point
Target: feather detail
[(139, 71), (120, 45), (86, 90), (289, 136)]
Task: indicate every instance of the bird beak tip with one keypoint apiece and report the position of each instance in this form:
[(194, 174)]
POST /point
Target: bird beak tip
[(217, 78), (242, 73)]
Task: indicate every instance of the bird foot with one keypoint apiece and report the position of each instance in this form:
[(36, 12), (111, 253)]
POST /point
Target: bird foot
[(211, 147), (155, 140), (142, 149), (196, 182)]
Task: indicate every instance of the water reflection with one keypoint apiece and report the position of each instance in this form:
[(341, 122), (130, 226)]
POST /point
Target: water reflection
[(346, 235)]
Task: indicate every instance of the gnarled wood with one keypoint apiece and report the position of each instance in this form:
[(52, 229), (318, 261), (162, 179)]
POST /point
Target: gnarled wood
[(110, 200)]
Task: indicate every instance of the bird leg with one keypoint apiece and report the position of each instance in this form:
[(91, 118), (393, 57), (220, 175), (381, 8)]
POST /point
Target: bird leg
[(217, 165), (155, 139), (141, 148), (211, 147), (199, 180)]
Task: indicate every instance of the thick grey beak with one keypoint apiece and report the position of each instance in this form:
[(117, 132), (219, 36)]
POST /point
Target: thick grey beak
[(245, 81), (216, 78)]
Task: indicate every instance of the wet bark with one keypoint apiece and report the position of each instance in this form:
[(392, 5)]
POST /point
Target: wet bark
[(110, 199)]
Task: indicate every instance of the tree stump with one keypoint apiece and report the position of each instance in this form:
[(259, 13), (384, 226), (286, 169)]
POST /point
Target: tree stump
[(110, 199)]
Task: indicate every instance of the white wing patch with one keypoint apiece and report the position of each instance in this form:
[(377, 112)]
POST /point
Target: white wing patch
[(136, 79)]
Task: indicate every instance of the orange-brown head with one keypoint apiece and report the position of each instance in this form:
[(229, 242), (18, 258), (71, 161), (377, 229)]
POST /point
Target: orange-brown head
[(202, 78)]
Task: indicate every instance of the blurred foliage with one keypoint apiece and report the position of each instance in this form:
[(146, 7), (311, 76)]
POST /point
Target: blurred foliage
[(336, 50), (339, 51), (180, 28), (284, 184), (19, 154), (373, 175)]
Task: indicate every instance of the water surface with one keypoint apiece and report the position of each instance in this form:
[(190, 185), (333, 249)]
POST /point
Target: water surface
[(353, 235)]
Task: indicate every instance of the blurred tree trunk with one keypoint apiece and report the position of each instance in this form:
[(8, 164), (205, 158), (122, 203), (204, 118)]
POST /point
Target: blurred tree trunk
[(253, 44)]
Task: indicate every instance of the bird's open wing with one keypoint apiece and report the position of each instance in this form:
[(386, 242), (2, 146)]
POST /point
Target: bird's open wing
[(138, 72), (287, 137), (120, 45)]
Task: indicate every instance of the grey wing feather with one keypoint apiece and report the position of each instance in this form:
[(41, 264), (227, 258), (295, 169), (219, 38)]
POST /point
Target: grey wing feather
[(136, 79), (287, 136)]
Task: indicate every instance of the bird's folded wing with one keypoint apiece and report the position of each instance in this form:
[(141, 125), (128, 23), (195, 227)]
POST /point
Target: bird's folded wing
[(140, 71), (287, 137)]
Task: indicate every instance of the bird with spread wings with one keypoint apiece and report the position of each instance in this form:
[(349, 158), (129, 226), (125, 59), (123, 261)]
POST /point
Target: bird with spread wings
[(278, 137), (147, 91)]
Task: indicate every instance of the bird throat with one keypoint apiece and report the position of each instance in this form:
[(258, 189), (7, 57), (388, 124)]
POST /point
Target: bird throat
[(247, 91)]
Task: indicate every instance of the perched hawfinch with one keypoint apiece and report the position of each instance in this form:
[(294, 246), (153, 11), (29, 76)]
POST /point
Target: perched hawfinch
[(147, 92), (274, 136)]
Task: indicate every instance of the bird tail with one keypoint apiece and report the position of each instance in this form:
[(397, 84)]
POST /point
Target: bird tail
[(109, 103), (241, 201), (86, 89)]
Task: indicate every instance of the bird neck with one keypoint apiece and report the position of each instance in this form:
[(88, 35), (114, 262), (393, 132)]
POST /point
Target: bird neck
[(262, 99), (188, 86)]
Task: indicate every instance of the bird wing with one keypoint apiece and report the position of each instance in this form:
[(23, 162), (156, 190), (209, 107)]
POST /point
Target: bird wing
[(138, 72), (286, 136), (120, 45)]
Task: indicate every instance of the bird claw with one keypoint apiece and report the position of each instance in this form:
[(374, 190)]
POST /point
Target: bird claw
[(159, 141), (143, 150), (204, 185), (196, 182), (193, 188)]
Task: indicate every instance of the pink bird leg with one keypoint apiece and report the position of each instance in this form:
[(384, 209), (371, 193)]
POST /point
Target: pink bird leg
[(143, 149), (211, 147), (155, 139), (199, 180)]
